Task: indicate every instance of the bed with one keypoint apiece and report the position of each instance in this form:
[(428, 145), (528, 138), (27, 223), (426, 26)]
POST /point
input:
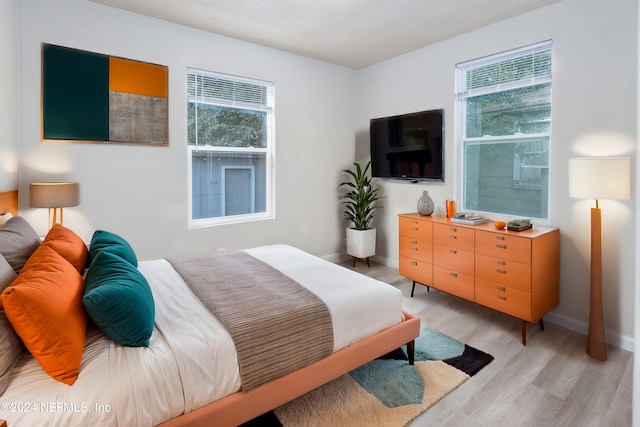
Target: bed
[(188, 375)]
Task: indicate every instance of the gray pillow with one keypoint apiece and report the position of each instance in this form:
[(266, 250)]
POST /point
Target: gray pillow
[(17, 242), (10, 343)]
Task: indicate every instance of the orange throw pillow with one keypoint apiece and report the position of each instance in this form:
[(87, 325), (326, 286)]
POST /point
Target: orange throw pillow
[(69, 245), (44, 306)]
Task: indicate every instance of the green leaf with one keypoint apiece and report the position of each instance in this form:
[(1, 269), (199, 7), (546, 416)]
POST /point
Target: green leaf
[(358, 197)]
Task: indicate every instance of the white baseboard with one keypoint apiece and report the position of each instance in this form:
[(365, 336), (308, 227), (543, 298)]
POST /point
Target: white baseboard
[(624, 342)]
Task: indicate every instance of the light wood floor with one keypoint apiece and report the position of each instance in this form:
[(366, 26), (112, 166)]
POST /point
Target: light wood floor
[(550, 382)]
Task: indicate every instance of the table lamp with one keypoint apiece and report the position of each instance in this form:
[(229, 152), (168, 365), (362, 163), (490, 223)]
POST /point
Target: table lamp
[(598, 178), (55, 196)]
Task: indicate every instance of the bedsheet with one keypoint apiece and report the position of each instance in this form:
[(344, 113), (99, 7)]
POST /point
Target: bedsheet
[(191, 359)]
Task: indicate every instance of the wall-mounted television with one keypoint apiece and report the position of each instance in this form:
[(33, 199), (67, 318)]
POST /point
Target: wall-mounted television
[(408, 146)]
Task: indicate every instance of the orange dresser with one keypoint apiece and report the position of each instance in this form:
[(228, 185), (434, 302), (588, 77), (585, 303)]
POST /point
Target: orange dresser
[(516, 273), (416, 250)]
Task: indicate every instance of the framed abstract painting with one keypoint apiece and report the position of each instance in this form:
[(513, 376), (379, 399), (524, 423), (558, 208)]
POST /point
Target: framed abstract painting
[(92, 97)]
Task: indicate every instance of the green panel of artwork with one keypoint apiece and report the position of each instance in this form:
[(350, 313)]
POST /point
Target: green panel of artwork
[(75, 94)]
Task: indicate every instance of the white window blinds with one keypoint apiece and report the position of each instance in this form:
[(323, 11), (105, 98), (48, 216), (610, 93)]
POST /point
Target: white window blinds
[(519, 68), (220, 89)]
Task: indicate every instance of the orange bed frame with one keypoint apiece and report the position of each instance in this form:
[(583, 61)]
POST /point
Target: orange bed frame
[(240, 407)]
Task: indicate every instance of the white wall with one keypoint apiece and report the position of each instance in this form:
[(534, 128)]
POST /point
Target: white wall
[(141, 192), (594, 113), (8, 100)]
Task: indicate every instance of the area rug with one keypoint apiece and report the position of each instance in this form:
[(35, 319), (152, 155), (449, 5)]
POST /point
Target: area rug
[(387, 391)]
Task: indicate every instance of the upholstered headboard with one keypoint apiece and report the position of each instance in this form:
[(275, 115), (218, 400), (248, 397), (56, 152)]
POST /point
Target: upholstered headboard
[(9, 202)]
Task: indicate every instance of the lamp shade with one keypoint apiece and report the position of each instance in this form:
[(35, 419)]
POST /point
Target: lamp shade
[(600, 178), (54, 194)]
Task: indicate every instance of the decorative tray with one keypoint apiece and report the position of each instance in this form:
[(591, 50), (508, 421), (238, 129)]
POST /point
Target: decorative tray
[(519, 225)]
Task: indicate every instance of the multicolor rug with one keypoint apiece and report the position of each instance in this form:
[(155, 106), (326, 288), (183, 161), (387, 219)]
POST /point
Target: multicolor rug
[(387, 391)]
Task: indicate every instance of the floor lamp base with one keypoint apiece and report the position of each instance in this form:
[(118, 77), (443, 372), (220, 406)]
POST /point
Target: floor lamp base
[(596, 345)]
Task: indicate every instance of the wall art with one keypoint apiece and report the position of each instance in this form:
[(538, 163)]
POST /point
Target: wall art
[(91, 97)]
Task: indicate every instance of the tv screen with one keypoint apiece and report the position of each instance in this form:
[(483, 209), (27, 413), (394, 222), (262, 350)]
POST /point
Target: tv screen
[(408, 146)]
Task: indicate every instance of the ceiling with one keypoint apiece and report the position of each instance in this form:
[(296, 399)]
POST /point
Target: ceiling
[(351, 33)]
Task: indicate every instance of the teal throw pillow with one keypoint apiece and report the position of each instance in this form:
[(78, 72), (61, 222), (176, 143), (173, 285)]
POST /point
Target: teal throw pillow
[(107, 241), (118, 299)]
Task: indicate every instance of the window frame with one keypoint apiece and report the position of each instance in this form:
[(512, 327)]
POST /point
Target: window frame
[(462, 141), (269, 152)]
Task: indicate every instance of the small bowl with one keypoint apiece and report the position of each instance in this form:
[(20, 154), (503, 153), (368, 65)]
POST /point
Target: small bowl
[(500, 225)]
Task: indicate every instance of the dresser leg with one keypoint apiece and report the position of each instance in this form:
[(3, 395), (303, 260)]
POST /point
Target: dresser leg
[(413, 288), (523, 328), (541, 322)]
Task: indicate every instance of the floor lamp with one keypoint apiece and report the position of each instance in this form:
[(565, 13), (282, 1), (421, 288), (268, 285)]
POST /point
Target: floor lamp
[(55, 196), (598, 178)]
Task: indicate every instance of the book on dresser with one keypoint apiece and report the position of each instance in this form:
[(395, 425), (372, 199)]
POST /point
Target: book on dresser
[(468, 218), (516, 273)]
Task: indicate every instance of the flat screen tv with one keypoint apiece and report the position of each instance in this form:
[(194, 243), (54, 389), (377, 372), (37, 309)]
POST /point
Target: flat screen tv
[(408, 146)]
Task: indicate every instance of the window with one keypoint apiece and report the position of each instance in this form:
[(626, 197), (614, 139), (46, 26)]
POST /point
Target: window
[(505, 128), (230, 138)]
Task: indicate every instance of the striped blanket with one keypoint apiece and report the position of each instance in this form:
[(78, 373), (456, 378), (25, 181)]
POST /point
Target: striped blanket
[(277, 325)]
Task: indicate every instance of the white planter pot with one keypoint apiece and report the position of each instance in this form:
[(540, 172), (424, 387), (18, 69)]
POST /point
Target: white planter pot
[(361, 243)]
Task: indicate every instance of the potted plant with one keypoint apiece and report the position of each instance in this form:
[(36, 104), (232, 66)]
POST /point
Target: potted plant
[(360, 201)]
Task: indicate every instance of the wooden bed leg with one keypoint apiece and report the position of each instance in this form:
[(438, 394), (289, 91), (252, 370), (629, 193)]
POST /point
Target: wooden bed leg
[(411, 351), (523, 328)]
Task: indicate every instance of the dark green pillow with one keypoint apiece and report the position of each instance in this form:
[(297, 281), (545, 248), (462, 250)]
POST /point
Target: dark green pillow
[(111, 242), (118, 299)]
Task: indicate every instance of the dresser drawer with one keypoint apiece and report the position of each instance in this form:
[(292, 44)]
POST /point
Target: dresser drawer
[(415, 248), (505, 246), (452, 235), (453, 259), (504, 272), (505, 299), (415, 228), (453, 282), (420, 271)]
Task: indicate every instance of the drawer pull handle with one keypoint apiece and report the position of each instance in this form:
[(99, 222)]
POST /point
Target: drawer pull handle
[(453, 237), (500, 262), (414, 228), (414, 263), (414, 249), (414, 222), (501, 288), (500, 237), (501, 246), (453, 274), (453, 251), (502, 297), (501, 271), (414, 242), (453, 229)]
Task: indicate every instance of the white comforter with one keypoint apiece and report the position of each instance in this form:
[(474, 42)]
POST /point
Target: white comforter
[(191, 360)]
